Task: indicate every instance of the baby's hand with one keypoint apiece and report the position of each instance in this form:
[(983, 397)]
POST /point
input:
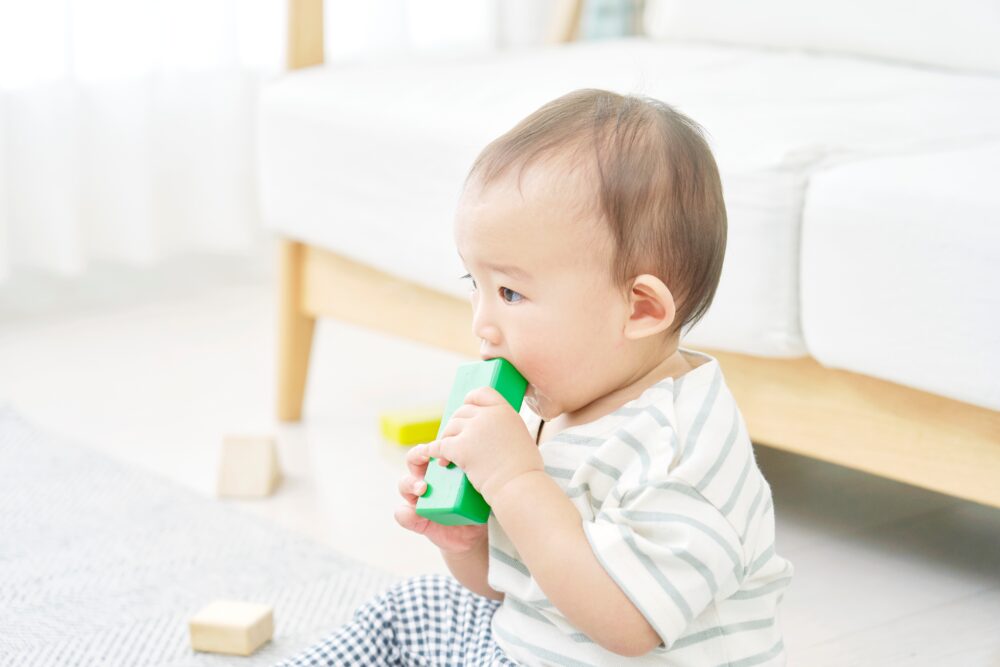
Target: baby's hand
[(489, 441), (453, 539)]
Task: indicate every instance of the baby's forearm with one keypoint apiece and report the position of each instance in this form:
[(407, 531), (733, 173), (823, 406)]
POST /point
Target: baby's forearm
[(472, 569), (548, 532)]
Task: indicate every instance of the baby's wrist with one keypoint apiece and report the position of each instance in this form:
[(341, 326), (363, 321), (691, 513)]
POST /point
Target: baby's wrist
[(514, 487), (468, 552)]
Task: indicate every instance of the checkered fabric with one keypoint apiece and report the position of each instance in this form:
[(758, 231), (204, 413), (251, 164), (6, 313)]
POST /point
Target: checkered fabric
[(425, 621)]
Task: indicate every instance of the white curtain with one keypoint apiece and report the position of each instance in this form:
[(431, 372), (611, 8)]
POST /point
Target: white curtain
[(127, 126)]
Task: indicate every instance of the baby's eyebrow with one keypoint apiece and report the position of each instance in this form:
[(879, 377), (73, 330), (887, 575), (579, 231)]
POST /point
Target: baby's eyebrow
[(512, 271), (508, 269)]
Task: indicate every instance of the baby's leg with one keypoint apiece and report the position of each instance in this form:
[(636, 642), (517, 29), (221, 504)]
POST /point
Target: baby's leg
[(426, 621)]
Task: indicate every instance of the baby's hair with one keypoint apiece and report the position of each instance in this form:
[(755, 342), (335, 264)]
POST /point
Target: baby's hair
[(659, 187)]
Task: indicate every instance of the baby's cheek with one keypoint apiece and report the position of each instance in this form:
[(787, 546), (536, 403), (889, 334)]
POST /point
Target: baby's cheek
[(542, 364)]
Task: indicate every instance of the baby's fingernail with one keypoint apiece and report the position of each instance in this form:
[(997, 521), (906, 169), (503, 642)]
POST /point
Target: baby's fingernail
[(417, 486)]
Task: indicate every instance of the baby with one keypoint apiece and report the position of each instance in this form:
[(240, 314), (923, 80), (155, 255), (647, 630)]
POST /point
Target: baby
[(630, 524)]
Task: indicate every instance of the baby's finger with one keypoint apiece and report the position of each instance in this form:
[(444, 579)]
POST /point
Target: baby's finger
[(443, 449), (408, 518), (416, 460), (417, 453), (484, 396), (455, 424), (436, 449), (464, 411), (411, 488)]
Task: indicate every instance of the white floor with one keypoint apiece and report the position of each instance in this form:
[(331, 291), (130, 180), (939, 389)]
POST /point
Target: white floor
[(155, 367)]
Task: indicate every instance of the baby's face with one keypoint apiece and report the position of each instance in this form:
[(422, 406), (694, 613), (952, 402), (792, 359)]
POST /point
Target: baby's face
[(542, 295)]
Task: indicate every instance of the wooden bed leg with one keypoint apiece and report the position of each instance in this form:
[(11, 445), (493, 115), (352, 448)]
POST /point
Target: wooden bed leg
[(295, 331)]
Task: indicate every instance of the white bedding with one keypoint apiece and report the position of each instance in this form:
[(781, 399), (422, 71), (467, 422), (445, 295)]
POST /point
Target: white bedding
[(900, 262), (368, 160)]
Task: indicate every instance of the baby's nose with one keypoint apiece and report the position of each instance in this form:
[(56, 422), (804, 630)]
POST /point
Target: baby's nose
[(488, 334)]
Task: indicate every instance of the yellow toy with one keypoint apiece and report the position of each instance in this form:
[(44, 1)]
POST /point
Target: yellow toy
[(410, 427)]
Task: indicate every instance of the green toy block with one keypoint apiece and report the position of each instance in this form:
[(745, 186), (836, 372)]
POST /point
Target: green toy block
[(410, 427), (450, 499)]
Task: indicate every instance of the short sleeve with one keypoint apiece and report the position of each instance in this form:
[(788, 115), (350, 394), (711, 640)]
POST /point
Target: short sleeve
[(669, 549)]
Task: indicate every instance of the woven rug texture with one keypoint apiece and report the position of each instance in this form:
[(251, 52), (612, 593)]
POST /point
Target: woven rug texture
[(103, 564)]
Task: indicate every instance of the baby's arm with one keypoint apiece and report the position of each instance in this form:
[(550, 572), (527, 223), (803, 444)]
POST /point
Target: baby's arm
[(471, 568), (548, 532)]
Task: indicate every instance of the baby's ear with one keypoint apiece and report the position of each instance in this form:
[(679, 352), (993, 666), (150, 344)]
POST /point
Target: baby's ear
[(650, 307)]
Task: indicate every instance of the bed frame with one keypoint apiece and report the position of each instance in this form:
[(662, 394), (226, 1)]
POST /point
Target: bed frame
[(795, 405)]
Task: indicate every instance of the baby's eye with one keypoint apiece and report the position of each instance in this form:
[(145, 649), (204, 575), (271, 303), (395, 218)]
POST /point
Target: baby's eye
[(504, 289)]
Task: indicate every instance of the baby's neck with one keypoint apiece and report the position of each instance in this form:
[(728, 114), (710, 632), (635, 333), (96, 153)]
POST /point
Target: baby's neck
[(674, 365)]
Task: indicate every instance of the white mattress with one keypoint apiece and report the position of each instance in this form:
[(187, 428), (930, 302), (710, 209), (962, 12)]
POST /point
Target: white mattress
[(901, 271), (368, 160)]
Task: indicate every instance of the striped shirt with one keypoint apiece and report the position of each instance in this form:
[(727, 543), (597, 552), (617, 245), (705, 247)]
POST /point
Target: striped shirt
[(680, 516)]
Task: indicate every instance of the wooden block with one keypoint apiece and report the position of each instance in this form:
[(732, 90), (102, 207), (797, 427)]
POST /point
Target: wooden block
[(227, 626), (410, 427), (248, 467)]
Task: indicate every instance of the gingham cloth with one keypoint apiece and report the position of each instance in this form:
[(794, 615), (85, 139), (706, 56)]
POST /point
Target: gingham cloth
[(425, 621)]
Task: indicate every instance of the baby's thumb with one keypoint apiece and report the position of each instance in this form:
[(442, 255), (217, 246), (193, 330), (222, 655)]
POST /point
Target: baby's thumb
[(408, 518)]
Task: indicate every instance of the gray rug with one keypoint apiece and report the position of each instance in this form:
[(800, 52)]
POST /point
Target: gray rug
[(101, 564)]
